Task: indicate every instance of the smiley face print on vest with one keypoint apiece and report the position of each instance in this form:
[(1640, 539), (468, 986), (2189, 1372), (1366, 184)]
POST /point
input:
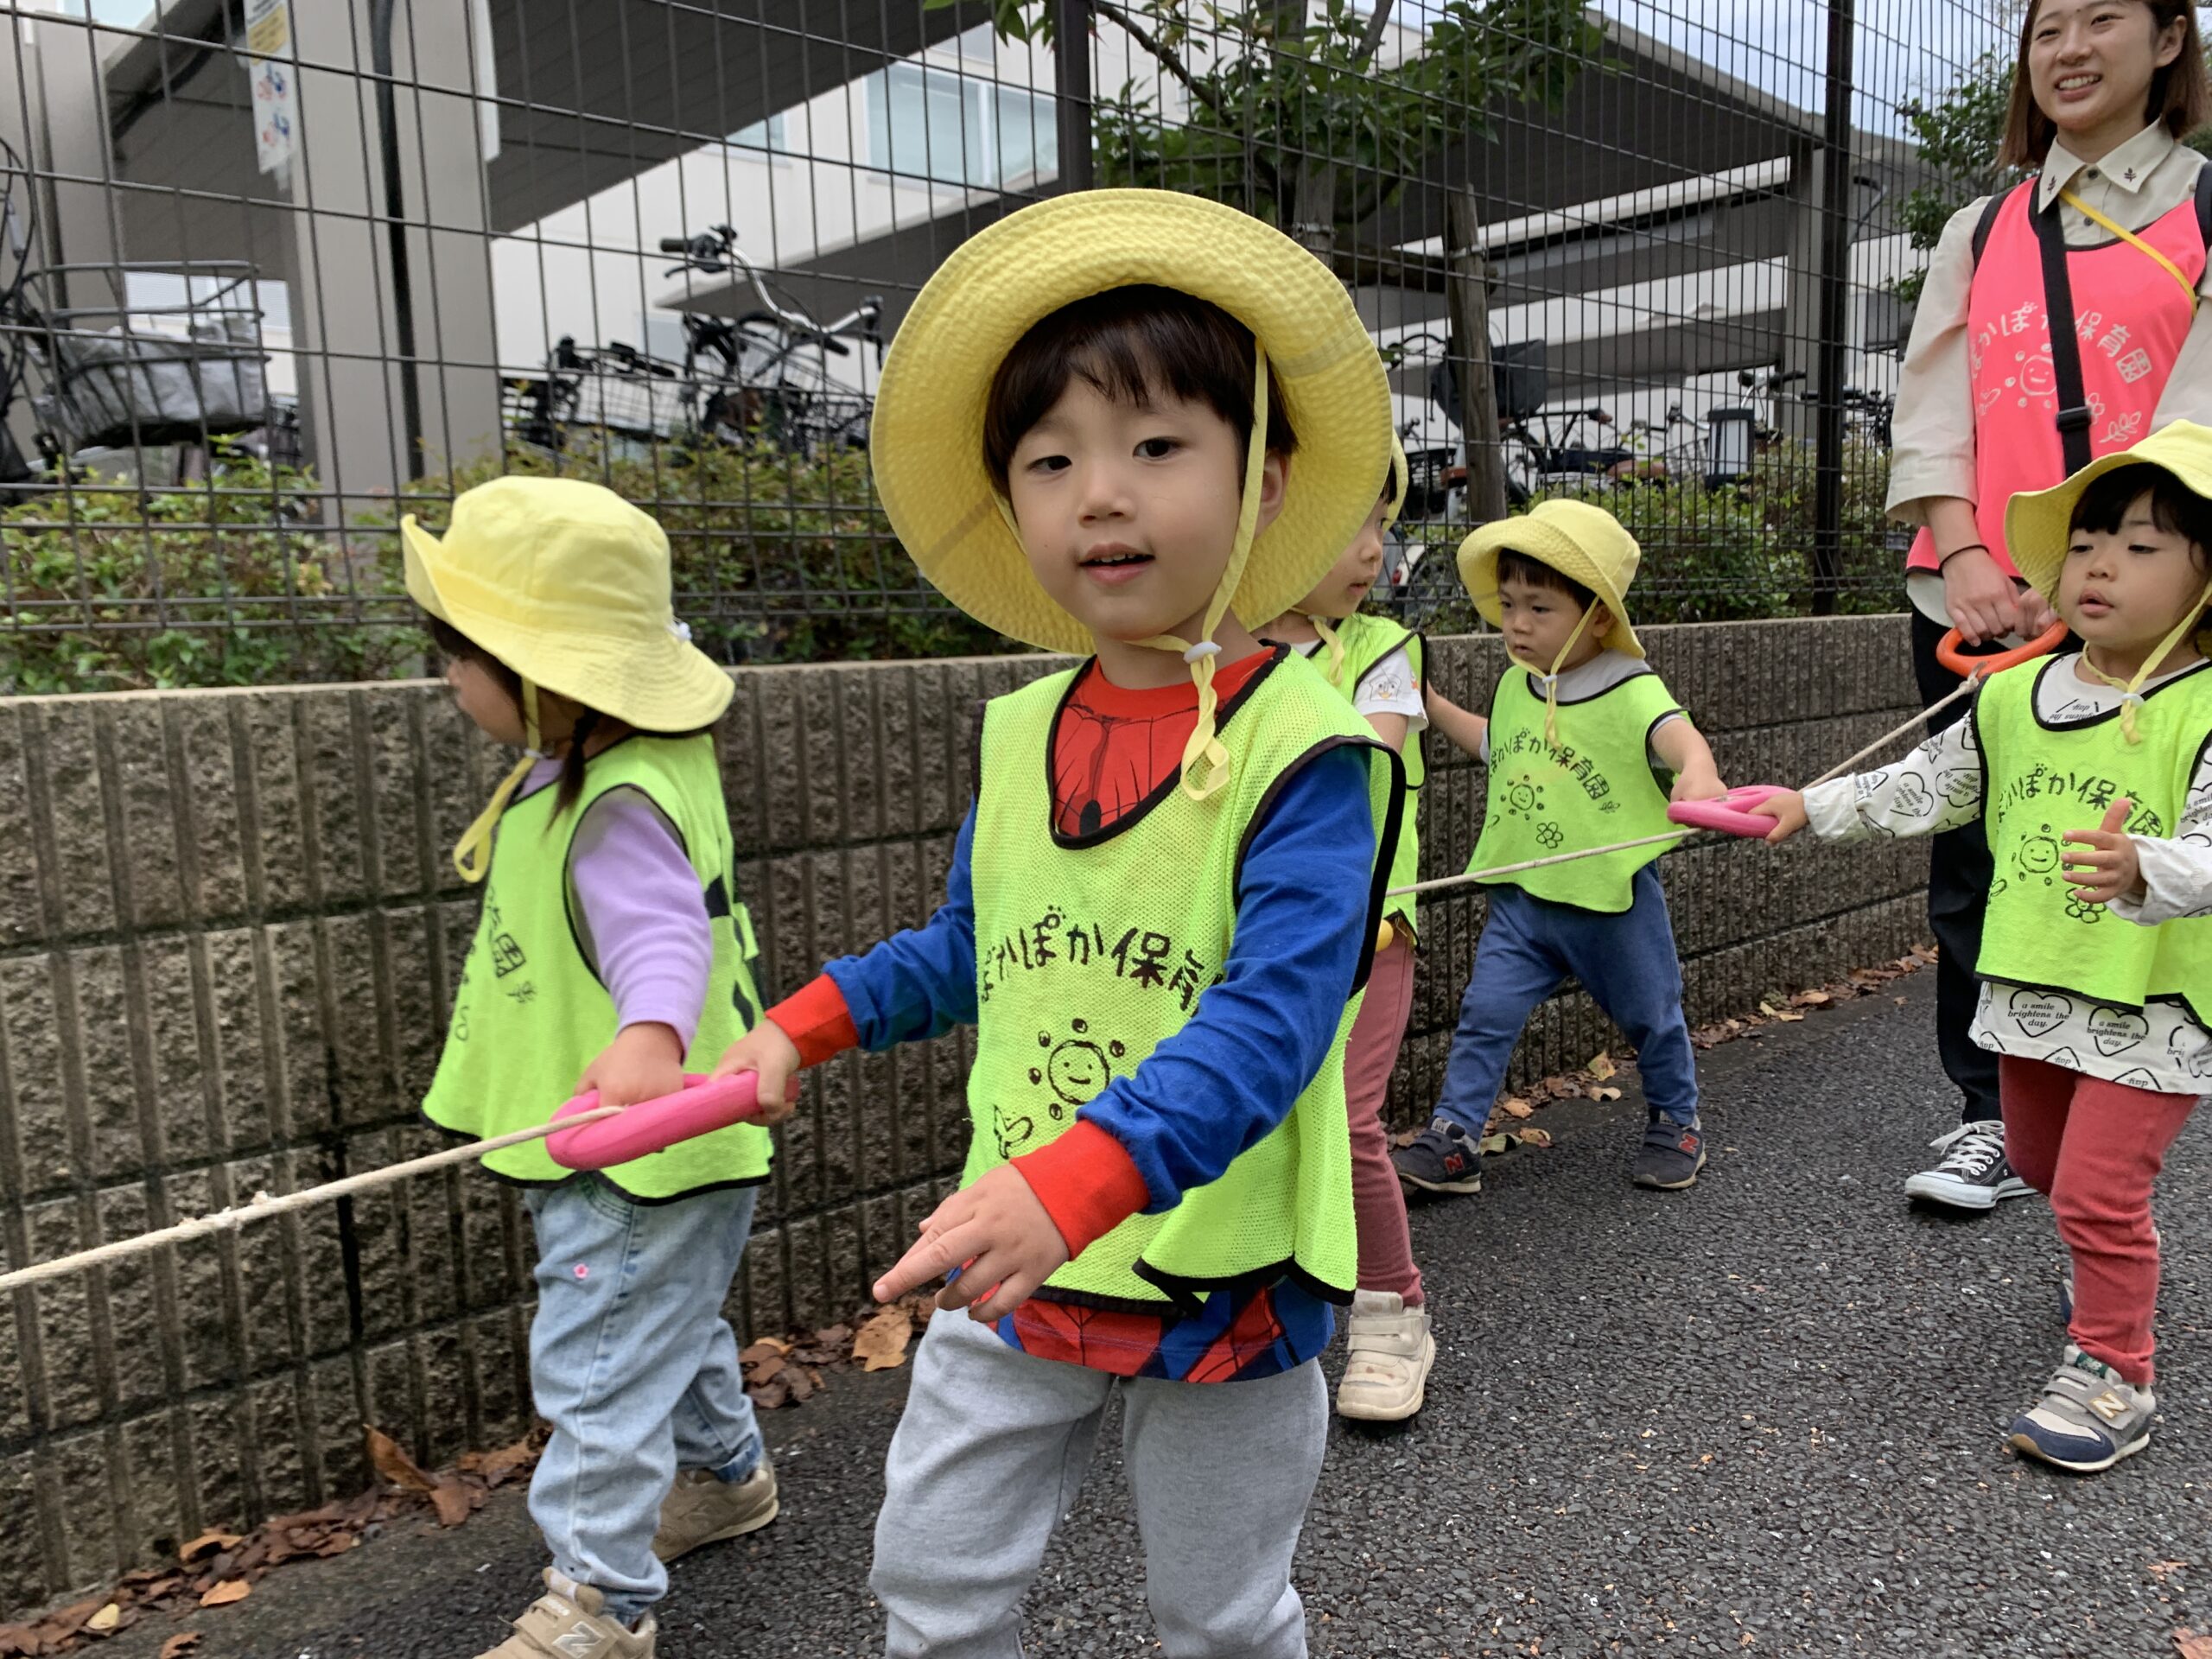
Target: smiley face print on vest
[(1524, 797), (2039, 1013), (2037, 856), (1076, 1069), (2115, 1031)]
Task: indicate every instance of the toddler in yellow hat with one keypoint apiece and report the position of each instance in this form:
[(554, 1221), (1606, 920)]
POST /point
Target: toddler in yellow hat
[(1124, 423), (1376, 664), (2092, 769), (611, 947), (1579, 733)]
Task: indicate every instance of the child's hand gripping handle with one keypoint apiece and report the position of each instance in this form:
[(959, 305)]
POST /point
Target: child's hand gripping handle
[(703, 1106), (1948, 654), (1732, 814)]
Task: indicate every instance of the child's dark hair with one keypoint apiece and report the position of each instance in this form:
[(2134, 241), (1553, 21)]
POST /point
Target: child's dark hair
[(1389, 496), (1131, 344), (2175, 508), (1537, 573), (455, 644)]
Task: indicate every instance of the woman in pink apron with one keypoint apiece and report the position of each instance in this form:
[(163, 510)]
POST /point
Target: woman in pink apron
[(2059, 321)]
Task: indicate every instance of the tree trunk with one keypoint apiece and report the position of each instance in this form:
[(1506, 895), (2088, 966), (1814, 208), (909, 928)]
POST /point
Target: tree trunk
[(1468, 294)]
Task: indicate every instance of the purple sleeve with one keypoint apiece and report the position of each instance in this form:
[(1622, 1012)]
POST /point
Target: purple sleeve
[(643, 916)]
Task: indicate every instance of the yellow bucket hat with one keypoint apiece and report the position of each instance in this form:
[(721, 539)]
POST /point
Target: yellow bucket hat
[(1582, 543), (569, 585), (2038, 527), (926, 441)]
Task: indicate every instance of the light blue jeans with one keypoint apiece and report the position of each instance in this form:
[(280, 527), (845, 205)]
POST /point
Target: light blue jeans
[(632, 1363)]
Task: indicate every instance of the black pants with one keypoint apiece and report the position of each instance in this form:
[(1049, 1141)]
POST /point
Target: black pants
[(1959, 871)]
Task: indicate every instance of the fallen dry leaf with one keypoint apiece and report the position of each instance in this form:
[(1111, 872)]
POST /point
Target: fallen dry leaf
[(1533, 1136), (1606, 1092), (228, 1591), (181, 1643), (387, 1458), (106, 1619), (881, 1344), (1517, 1109), (770, 1395), (1495, 1144), (451, 1498), (2190, 1645), (206, 1543), (16, 1640), (802, 1383), (1811, 1000), (767, 1348), (1600, 1067), (767, 1370)]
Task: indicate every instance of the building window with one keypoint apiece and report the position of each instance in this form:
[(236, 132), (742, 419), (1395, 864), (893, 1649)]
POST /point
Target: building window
[(949, 129), (772, 135)]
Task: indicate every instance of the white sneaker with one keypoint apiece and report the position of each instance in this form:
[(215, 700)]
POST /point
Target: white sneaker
[(1390, 1350), (1973, 1174), (570, 1621)]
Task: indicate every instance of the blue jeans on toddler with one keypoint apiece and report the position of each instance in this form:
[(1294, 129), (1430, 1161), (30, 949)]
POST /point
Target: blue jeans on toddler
[(634, 1366), (1627, 963)]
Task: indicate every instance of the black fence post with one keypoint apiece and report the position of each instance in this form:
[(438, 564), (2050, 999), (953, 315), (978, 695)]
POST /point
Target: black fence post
[(1071, 87), (1835, 277)]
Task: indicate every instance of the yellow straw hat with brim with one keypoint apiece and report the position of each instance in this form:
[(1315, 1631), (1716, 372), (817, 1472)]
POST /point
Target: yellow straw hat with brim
[(1582, 543), (2038, 530), (569, 585), (2038, 526), (926, 441)]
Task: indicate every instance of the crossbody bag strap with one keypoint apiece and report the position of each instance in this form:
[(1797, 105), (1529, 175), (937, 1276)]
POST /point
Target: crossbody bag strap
[(2188, 288), (2072, 416)]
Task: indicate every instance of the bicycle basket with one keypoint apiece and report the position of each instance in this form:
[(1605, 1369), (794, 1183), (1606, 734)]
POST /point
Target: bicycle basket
[(639, 398), (167, 374)]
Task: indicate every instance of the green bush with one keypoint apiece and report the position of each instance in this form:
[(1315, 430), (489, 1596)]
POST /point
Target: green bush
[(109, 588), (778, 558), (1721, 553)]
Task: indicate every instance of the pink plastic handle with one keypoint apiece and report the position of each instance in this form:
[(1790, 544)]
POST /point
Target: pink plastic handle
[(703, 1106), (1731, 814)]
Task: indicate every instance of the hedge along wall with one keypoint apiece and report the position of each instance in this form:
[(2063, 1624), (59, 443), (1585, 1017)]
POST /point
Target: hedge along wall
[(229, 929)]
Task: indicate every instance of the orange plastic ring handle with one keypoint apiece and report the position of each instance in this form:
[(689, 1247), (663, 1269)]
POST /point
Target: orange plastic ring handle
[(1967, 668)]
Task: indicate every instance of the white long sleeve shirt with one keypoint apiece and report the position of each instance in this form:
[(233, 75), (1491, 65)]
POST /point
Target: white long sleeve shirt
[(1939, 787)]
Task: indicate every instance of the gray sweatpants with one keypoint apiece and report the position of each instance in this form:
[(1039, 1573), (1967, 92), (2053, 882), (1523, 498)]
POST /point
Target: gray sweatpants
[(991, 1453)]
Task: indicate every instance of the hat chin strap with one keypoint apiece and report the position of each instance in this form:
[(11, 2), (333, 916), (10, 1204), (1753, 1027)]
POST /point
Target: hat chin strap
[(1550, 681), (2131, 690), (472, 854), (1322, 626), (1205, 758)]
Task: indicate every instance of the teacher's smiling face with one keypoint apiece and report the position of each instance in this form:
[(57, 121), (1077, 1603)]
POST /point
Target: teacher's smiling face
[(2090, 64)]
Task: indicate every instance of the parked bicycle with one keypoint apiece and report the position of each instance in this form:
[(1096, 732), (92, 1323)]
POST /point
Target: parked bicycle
[(762, 376)]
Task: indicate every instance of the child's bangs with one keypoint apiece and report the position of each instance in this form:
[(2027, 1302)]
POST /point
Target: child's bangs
[(1135, 346), (2175, 509)]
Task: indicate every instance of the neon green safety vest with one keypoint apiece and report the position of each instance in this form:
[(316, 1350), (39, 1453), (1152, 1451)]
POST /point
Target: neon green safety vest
[(1593, 786), (1090, 952), (2044, 782), (531, 1013), (1367, 640)]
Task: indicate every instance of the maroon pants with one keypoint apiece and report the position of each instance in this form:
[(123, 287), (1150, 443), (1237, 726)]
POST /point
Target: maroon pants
[(2094, 1148), (1386, 1248)]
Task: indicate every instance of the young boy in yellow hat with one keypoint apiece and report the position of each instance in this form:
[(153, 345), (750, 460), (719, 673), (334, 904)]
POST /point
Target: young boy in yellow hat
[(2096, 962), (611, 946), (1117, 424), (1375, 663), (1580, 727)]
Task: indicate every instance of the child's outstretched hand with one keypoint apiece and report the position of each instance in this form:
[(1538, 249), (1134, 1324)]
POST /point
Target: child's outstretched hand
[(996, 1235), (1787, 808), (1698, 782), (2110, 869), (644, 1062), (766, 1052)]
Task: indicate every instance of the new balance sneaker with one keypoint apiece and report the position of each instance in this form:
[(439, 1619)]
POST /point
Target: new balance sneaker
[(1973, 1174), (1389, 1350), (570, 1621), (702, 1508), (1443, 1158), (2088, 1419), (1670, 1155)]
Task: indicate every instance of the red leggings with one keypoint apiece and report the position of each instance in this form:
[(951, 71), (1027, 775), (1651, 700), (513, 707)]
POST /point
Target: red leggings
[(1386, 1248), (2094, 1148)]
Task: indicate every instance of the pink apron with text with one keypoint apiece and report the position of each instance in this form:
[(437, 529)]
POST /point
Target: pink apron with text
[(2131, 319)]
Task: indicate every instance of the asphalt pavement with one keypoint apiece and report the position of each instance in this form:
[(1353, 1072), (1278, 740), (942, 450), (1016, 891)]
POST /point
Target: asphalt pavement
[(1759, 1417)]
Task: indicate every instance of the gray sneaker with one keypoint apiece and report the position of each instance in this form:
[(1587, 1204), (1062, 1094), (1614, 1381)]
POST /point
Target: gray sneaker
[(1671, 1156), (1443, 1158), (2088, 1419), (702, 1509)]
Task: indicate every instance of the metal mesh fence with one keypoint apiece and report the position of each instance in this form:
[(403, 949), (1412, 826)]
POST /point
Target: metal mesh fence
[(275, 273)]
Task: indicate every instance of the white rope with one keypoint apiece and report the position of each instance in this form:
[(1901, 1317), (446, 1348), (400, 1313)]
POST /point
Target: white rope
[(229, 1221), (1832, 774)]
